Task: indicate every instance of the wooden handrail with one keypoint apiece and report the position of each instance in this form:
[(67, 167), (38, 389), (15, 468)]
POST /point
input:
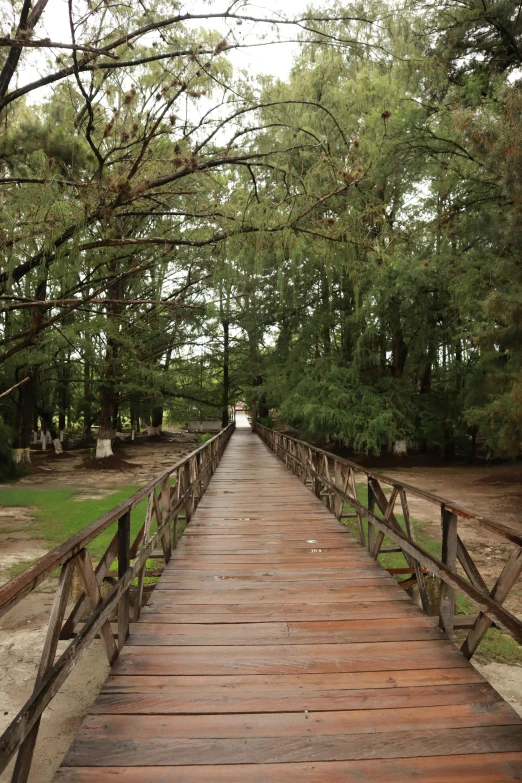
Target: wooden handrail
[(308, 461), (22, 584), (456, 508), (193, 474)]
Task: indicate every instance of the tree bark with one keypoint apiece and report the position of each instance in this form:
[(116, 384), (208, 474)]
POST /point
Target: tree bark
[(25, 410), (105, 431), (156, 419), (87, 398), (399, 347), (226, 379)]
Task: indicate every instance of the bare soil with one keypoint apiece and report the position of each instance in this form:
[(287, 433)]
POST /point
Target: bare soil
[(494, 492)]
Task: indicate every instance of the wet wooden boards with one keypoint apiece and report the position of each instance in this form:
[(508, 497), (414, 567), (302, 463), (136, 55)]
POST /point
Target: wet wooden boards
[(275, 650)]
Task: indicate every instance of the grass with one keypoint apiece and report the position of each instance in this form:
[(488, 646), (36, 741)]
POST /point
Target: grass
[(496, 646), (57, 515)]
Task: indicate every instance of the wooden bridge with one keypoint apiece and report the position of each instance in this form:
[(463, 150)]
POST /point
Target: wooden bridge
[(275, 649)]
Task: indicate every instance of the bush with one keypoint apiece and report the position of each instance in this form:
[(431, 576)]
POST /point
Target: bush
[(266, 421)]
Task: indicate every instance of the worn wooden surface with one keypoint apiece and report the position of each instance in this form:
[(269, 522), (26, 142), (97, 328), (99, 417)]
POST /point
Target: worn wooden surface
[(275, 649)]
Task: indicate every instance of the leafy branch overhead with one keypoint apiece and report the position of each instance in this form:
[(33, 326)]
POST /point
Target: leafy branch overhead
[(340, 248)]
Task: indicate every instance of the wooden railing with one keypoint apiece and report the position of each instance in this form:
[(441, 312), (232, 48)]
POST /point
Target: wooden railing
[(315, 466), (91, 613)]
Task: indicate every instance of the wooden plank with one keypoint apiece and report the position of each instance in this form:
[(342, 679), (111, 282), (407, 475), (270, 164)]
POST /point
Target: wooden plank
[(163, 695), (221, 583), (168, 611), (268, 750), (271, 575), (362, 592), (347, 631), (97, 728), (482, 768), (252, 659)]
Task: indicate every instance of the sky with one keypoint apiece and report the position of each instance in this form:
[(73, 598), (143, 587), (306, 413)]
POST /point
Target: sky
[(274, 59)]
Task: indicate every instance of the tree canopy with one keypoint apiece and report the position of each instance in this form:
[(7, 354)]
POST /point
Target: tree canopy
[(340, 248)]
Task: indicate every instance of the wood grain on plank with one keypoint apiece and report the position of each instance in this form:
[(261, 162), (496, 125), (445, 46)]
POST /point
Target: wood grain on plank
[(347, 631), (482, 768), (272, 750)]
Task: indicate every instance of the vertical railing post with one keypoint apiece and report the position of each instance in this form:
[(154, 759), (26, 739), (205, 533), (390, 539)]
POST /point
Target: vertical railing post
[(25, 753), (177, 495), (316, 462), (164, 504), (123, 565), (371, 509), (186, 487), (449, 558), (302, 460), (338, 501)]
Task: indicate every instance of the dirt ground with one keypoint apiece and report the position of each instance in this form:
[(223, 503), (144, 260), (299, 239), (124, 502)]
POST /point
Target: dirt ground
[(494, 492)]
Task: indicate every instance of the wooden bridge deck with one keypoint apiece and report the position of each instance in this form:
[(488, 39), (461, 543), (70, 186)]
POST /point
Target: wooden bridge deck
[(274, 649)]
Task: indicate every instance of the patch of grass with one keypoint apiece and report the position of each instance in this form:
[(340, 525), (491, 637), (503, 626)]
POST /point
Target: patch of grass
[(17, 568), (152, 564), (57, 516), (495, 647)]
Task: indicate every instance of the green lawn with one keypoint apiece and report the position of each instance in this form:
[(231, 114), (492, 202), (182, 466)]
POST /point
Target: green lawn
[(57, 515)]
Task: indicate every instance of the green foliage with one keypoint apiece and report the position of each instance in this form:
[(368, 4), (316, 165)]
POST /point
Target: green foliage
[(342, 246), (332, 402)]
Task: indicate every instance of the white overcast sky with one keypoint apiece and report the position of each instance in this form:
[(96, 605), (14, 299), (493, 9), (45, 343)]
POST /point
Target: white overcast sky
[(274, 59)]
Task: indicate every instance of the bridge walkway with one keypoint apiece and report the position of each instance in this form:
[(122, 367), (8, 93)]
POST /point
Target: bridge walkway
[(275, 650)]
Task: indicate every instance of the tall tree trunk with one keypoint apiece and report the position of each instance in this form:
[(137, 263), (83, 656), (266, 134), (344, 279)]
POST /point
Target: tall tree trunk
[(87, 398), (156, 418), (48, 427), (226, 380), (105, 431), (347, 309), (325, 298), (63, 400), (26, 403), (399, 347), (108, 392), (25, 411)]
